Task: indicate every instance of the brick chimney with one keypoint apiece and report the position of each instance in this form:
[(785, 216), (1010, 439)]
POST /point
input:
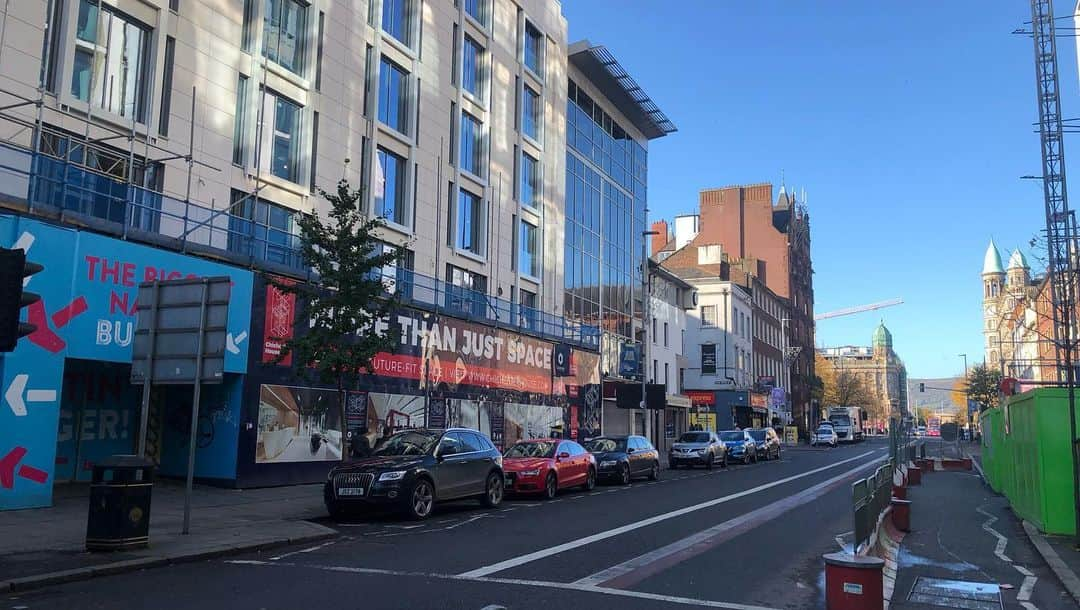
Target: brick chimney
[(661, 238)]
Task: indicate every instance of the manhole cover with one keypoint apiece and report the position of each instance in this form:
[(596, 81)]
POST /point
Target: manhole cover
[(956, 594)]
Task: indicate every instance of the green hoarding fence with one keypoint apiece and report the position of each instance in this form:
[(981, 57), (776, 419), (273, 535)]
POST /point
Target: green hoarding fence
[(1026, 457)]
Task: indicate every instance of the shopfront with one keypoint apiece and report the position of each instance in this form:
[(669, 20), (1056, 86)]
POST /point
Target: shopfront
[(67, 396)]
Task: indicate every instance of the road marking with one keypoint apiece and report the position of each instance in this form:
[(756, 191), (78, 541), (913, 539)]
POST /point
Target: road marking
[(999, 550), (668, 599), (307, 550), (638, 568), (573, 544)]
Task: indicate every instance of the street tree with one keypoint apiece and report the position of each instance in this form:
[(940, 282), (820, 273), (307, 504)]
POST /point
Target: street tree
[(844, 388), (983, 384), (958, 395), (348, 295)]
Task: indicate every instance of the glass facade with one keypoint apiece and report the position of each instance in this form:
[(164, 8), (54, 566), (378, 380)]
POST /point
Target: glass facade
[(605, 218), (110, 64)]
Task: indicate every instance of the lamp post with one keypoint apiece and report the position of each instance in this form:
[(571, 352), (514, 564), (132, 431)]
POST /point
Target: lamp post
[(967, 411), (646, 297)]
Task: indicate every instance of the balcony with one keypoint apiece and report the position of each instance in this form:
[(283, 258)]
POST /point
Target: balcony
[(55, 187)]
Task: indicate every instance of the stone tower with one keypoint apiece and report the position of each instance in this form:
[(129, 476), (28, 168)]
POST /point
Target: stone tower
[(993, 276), (1018, 275)]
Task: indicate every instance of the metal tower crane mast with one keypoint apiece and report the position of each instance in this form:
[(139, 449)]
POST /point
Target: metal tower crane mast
[(1060, 224)]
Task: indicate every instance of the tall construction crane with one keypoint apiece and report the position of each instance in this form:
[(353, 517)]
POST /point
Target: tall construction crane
[(847, 311)]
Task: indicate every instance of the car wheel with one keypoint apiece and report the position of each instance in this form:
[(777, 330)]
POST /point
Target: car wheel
[(723, 462), (709, 461), (493, 490), (551, 486), (624, 474), (421, 500), (654, 474), (590, 480)]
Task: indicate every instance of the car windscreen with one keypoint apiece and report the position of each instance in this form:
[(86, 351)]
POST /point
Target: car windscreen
[(731, 435), (540, 449), (757, 435), (825, 430), (842, 420), (407, 443), (694, 437), (603, 445)]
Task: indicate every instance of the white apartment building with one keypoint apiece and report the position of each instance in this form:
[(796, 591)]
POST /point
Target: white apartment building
[(448, 114), (719, 337), (671, 298)]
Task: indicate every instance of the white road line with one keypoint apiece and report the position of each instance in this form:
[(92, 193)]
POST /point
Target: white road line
[(307, 550), (767, 513), (668, 599), (1002, 541), (1027, 587), (573, 544)]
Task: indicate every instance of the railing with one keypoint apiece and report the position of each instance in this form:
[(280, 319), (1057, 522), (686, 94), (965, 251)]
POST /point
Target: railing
[(133, 212), (870, 497)]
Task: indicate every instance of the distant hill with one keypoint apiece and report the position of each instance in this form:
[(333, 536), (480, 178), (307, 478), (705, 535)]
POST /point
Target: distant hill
[(932, 398)]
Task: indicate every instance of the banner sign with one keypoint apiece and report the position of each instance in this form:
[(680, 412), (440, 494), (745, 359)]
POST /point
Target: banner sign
[(628, 361), (758, 401), (280, 319), (562, 360), (708, 359), (437, 413), (701, 397)]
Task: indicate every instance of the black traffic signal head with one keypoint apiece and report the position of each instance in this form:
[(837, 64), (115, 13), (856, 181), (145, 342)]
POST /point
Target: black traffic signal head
[(13, 270)]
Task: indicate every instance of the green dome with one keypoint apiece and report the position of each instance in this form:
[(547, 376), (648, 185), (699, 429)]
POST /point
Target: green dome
[(882, 336)]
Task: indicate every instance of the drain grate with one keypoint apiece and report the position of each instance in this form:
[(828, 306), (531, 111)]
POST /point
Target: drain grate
[(956, 594)]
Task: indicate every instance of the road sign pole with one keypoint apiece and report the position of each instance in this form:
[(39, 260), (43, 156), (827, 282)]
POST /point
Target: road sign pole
[(195, 408), (144, 414)]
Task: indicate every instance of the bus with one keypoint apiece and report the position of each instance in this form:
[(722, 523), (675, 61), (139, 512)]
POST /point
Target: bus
[(933, 426)]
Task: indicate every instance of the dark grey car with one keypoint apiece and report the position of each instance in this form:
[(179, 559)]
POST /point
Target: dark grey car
[(698, 448)]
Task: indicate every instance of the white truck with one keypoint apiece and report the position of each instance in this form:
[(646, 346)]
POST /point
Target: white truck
[(848, 423)]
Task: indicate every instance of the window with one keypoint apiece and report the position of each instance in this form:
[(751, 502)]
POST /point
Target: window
[(263, 230), (314, 151), (470, 223), (530, 113), (393, 96), (284, 116), (397, 19), (174, 6), (530, 181), (55, 34), (471, 144), (655, 371), (467, 291), (390, 188), (530, 315), (476, 10), (284, 26), (239, 155), (666, 388), (319, 51), (654, 331), (247, 33), (534, 49), (166, 86), (665, 334), (472, 67), (708, 316), (528, 244), (110, 63)]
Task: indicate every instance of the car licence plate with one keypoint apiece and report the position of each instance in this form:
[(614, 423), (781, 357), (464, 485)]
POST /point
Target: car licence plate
[(350, 491)]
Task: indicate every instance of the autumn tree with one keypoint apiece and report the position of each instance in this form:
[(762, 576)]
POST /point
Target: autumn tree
[(843, 388)]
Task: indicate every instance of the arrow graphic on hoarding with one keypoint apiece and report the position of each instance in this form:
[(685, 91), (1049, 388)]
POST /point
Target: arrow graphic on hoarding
[(8, 472), (232, 343), (17, 390)]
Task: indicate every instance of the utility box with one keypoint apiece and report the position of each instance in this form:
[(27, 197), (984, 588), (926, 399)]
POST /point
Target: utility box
[(119, 516)]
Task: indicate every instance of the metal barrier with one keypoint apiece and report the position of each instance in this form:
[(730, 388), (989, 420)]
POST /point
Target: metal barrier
[(870, 497)]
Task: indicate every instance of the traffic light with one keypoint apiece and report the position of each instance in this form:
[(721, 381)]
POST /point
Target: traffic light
[(13, 270), (922, 387)]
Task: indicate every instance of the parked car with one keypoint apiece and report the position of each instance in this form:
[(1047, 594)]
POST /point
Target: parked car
[(621, 458), (547, 465), (740, 446), (698, 447), (920, 431), (824, 435), (766, 443), (413, 469)]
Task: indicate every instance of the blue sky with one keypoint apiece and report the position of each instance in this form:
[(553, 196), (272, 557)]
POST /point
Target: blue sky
[(908, 124)]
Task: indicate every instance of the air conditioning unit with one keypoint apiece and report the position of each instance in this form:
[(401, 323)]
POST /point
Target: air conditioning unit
[(690, 299)]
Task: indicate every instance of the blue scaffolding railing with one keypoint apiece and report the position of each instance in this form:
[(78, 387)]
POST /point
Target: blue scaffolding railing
[(140, 213)]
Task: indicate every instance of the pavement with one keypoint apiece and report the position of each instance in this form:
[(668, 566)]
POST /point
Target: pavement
[(39, 547), (744, 537)]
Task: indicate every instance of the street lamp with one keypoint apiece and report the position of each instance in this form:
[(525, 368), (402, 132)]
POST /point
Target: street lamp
[(967, 411)]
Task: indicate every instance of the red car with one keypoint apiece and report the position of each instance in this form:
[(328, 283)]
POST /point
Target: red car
[(546, 465)]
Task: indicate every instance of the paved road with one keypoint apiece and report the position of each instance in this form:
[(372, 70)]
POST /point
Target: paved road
[(748, 536)]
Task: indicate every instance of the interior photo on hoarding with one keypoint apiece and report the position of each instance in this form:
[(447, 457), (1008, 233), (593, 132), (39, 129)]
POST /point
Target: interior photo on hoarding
[(298, 425)]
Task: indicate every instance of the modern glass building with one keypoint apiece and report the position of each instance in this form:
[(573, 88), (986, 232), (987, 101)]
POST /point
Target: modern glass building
[(609, 122)]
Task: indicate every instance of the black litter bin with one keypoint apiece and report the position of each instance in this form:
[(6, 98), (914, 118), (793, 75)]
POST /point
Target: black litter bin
[(120, 504)]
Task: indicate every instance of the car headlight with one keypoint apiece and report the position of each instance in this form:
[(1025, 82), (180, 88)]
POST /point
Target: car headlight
[(530, 473), (702, 451), (607, 463), (396, 475)]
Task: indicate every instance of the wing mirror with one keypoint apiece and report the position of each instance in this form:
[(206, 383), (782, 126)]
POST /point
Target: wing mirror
[(629, 450), (564, 455)]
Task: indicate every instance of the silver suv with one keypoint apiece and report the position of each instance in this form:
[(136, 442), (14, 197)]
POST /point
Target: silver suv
[(698, 448)]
